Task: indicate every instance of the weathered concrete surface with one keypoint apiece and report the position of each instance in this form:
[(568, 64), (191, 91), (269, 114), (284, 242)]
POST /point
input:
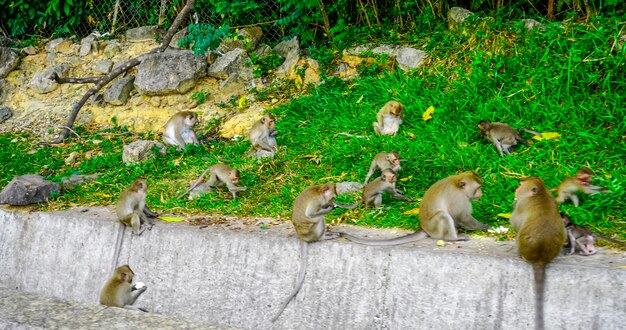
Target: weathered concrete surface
[(236, 274), (21, 310)]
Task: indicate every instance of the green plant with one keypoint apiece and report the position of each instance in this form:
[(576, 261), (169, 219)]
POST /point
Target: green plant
[(261, 66), (199, 96), (203, 37)]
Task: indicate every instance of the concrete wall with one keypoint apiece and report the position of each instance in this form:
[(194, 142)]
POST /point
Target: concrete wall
[(237, 275)]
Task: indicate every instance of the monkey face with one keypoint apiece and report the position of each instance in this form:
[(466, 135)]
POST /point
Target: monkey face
[(191, 120)]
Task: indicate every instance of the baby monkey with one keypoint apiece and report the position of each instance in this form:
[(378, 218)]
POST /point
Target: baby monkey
[(179, 130), (580, 182), (220, 174), (389, 118), (119, 290), (373, 192), (131, 207), (583, 238), (503, 136), (383, 161)]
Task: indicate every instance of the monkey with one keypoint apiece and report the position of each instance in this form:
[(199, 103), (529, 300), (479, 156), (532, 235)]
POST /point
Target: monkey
[(118, 290), (131, 206), (583, 238), (262, 137), (307, 216), (220, 174), (540, 233), (503, 136), (382, 161), (446, 205), (579, 182), (372, 195), (179, 130), (389, 118)]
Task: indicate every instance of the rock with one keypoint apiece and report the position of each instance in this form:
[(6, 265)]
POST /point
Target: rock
[(41, 82), (119, 91), (290, 51), (112, 48), (28, 189), (531, 24), (247, 38), (263, 50), (457, 15), (389, 50), (5, 113), (348, 187), (232, 62), (76, 179), (53, 44), (87, 45), (9, 59), (311, 70), (169, 73), (30, 50), (177, 37), (140, 151), (103, 66), (143, 33), (410, 58), (4, 90)]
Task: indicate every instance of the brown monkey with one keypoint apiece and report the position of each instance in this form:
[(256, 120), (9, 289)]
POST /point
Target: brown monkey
[(503, 136), (373, 193), (389, 118), (131, 207), (262, 137), (583, 238), (580, 182), (220, 174), (118, 290), (382, 161), (446, 205), (179, 129), (540, 233), (307, 217)]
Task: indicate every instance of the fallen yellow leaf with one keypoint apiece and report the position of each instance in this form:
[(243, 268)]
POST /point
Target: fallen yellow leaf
[(407, 178), (504, 215), (412, 211), (298, 82), (99, 194), (547, 136), (441, 243), (242, 101), (168, 218), (620, 267), (428, 114), (360, 99)]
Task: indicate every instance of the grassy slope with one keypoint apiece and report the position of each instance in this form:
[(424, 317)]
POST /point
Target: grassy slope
[(568, 79)]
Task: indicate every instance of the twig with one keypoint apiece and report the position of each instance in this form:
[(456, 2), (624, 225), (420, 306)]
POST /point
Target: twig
[(71, 130)]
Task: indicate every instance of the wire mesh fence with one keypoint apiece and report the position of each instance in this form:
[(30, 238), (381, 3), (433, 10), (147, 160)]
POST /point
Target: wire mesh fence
[(117, 16)]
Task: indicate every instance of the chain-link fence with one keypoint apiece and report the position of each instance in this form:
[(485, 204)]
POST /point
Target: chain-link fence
[(116, 16)]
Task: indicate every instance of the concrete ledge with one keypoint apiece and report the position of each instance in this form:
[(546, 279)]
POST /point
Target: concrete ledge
[(21, 310), (236, 274)]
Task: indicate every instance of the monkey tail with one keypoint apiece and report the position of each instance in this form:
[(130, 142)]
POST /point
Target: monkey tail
[(304, 254), (539, 270), (418, 235), (195, 184), (118, 245), (612, 240)]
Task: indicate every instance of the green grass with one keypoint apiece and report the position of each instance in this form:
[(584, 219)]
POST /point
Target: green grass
[(568, 79)]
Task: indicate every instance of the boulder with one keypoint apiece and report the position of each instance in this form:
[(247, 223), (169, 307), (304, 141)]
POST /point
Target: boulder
[(41, 82), (233, 62), (28, 189), (140, 151), (410, 58), (531, 24), (143, 33), (112, 48), (119, 91), (174, 72), (457, 15), (103, 66), (290, 51), (9, 59)]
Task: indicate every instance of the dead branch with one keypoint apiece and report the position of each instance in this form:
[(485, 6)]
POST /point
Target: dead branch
[(102, 81)]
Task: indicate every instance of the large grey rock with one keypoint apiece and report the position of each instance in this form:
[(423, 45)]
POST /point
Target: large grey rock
[(142, 33), (5, 113), (457, 15), (140, 151), (410, 58), (233, 62), (112, 48), (28, 189), (119, 91), (390, 50), (9, 59), (53, 44), (169, 72), (41, 82), (290, 51)]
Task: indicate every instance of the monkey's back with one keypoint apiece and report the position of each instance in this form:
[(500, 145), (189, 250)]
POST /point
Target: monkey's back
[(453, 201), (542, 235), (111, 294), (307, 228)]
